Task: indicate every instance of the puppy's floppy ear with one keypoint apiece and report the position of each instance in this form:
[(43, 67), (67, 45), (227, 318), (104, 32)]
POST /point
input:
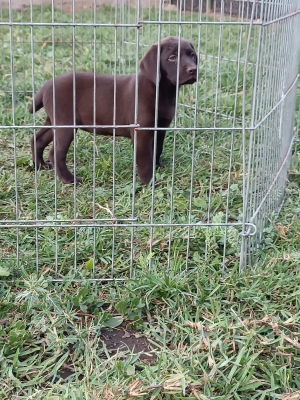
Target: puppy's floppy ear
[(148, 64)]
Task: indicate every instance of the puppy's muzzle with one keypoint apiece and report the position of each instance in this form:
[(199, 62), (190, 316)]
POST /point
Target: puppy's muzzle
[(190, 75)]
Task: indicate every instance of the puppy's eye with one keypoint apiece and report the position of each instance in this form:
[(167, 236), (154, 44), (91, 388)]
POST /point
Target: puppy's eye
[(172, 58), (193, 56)]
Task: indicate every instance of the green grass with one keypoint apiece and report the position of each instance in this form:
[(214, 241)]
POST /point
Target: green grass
[(216, 334)]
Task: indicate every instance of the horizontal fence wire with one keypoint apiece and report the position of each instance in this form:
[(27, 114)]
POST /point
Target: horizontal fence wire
[(226, 153)]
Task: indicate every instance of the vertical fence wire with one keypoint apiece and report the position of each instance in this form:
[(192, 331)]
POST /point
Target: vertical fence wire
[(192, 176), (13, 101), (94, 258), (246, 156), (157, 66), (136, 97)]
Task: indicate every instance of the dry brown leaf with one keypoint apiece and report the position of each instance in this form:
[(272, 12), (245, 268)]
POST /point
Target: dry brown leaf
[(266, 320), (173, 384), (105, 209), (265, 340), (293, 342), (174, 379), (282, 230), (106, 394), (195, 394), (135, 388), (211, 362), (291, 396), (282, 353), (181, 348), (205, 343), (194, 325)]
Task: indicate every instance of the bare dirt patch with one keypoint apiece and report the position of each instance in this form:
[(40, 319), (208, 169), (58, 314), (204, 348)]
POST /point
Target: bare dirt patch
[(118, 340), (122, 340)]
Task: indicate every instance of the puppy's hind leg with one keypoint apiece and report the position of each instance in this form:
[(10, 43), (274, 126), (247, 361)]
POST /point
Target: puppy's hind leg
[(39, 142), (58, 154)]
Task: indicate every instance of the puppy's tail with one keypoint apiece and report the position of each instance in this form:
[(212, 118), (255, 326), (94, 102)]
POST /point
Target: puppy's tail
[(38, 102)]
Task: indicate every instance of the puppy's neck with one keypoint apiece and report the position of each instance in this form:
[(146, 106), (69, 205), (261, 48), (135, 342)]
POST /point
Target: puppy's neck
[(167, 89), (166, 95)]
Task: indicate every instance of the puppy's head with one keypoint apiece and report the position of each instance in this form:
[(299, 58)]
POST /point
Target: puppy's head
[(170, 60)]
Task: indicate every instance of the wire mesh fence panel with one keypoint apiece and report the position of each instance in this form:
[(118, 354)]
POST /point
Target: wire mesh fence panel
[(226, 152)]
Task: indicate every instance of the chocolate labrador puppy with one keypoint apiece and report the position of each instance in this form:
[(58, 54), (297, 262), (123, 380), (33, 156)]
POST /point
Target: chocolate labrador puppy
[(104, 106)]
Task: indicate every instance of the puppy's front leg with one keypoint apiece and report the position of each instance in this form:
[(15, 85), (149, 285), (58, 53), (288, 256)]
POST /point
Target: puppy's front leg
[(159, 147), (144, 155)]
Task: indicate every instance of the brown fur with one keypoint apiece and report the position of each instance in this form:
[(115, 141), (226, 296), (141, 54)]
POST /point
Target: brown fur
[(104, 106)]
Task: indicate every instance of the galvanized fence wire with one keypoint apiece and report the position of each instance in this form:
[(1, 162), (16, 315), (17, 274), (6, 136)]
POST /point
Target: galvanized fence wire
[(227, 152), (273, 113)]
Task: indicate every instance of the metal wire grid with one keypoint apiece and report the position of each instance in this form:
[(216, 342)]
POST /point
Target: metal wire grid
[(240, 116), (271, 142)]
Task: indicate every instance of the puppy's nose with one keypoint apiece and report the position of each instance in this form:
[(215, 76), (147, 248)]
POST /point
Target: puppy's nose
[(191, 70)]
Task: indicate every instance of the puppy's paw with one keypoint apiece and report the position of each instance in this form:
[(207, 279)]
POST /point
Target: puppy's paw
[(46, 165), (78, 181), (160, 164), (42, 165), (71, 179)]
